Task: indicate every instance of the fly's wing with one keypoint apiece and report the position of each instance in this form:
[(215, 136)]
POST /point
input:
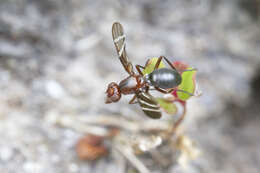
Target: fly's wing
[(149, 105), (119, 41)]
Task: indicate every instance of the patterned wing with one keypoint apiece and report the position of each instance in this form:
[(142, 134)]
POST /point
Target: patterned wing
[(149, 105), (119, 41)]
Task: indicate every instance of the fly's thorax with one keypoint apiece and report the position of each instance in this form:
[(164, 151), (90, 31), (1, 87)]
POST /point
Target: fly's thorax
[(164, 78), (128, 85), (131, 84)]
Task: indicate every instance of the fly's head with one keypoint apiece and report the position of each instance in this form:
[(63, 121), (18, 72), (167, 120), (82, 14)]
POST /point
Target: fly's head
[(113, 93)]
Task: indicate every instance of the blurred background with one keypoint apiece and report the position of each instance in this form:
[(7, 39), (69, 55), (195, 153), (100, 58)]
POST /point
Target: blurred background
[(57, 57)]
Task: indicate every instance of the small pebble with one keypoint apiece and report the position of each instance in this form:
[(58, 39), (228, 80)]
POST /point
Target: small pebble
[(6, 153), (54, 89)]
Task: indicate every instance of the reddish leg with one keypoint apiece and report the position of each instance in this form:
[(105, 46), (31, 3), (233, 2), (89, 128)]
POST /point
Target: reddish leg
[(170, 64), (138, 69), (132, 101), (158, 62)]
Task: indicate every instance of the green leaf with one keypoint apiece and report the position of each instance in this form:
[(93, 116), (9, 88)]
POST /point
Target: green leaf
[(167, 106), (151, 64), (187, 84)]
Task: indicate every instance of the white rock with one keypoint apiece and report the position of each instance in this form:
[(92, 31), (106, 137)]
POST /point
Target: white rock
[(54, 89)]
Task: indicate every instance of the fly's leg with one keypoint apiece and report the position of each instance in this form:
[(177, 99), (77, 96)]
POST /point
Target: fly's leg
[(147, 89), (168, 62), (163, 91), (171, 90), (133, 101), (139, 70), (158, 62)]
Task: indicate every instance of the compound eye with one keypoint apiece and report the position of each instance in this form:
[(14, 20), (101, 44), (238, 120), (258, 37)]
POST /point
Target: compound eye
[(110, 91), (113, 93)]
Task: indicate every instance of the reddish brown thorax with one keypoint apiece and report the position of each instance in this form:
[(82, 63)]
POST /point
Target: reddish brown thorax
[(131, 84)]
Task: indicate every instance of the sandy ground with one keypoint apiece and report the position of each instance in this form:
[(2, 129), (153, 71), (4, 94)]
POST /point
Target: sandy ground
[(57, 57)]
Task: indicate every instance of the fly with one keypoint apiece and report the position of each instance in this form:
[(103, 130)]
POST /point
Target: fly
[(164, 80)]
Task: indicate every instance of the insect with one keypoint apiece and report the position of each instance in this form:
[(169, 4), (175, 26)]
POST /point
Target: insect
[(164, 80)]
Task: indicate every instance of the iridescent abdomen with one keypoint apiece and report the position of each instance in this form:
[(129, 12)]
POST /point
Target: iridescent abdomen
[(164, 78)]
